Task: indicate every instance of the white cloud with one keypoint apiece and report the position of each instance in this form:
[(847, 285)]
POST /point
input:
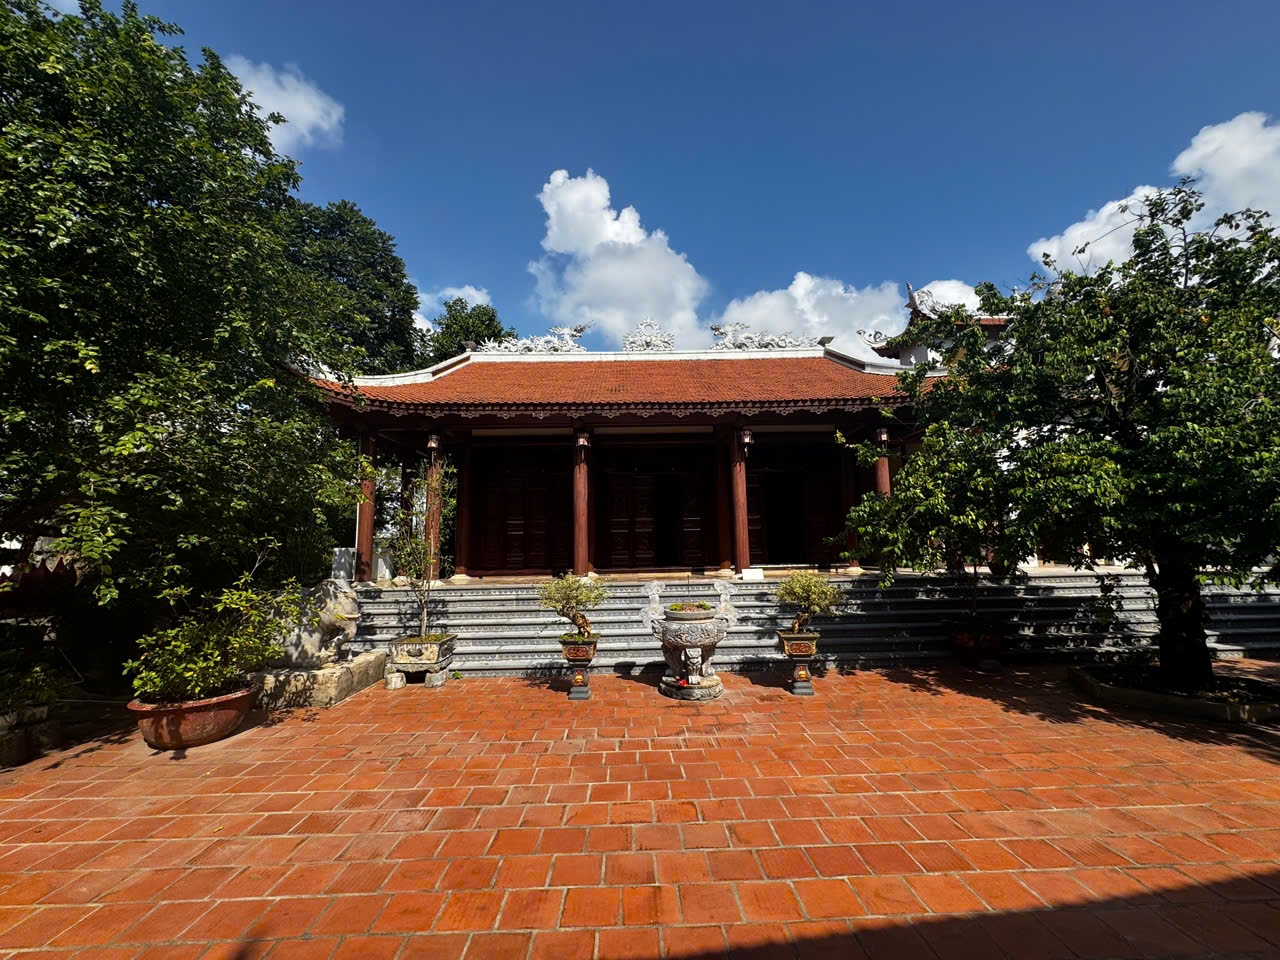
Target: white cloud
[(314, 118), (821, 306), (433, 301), (603, 268), (1236, 163), (952, 293), (473, 295)]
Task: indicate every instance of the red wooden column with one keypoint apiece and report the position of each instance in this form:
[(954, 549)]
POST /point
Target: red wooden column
[(882, 464), (435, 493), (365, 514), (738, 482), (462, 522), (581, 506), (724, 508)]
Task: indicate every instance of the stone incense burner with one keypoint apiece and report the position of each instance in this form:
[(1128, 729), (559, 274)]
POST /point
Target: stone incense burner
[(689, 638)]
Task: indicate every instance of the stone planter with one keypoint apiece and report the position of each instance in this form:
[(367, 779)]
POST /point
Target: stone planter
[(8, 720), (579, 652), (176, 726), (431, 658), (800, 648), (36, 714), (688, 616)]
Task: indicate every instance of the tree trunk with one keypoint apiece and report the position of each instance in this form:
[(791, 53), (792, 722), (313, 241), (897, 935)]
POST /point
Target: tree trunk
[(1185, 663)]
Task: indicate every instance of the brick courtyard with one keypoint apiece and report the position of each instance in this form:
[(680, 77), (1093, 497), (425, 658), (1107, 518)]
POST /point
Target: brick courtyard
[(922, 813)]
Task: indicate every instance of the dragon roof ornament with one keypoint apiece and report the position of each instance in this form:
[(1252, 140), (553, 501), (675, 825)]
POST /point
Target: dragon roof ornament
[(556, 340), (648, 337), (735, 336)]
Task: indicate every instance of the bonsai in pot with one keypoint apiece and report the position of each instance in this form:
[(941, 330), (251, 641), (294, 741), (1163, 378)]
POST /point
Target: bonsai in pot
[(809, 595), (191, 680), (571, 596), (416, 554)]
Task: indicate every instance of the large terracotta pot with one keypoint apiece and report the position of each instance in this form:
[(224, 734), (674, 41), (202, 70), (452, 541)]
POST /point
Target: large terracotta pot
[(175, 726)]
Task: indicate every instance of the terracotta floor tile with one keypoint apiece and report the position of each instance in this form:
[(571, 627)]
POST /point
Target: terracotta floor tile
[(709, 903), (531, 909), (591, 907), (482, 817), (409, 913)]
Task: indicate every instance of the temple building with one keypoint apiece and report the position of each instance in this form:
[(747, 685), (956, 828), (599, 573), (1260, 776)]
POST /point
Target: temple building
[(646, 459)]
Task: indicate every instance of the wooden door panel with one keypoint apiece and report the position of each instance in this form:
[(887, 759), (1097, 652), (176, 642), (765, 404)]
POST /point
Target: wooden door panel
[(755, 520), (620, 521), (690, 521), (642, 544)]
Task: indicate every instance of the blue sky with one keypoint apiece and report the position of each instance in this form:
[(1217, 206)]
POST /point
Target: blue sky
[(858, 144)]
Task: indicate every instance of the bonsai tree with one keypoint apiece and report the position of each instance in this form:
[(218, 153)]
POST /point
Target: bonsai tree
[(415, 546), (212, 649), (809, 594), (571, 596), (1135, 409)]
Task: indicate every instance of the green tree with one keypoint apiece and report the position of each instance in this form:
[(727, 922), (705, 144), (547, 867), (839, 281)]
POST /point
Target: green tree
[(153, 329), (1135, 410), (461, 322), (950, 507), (340, 244)]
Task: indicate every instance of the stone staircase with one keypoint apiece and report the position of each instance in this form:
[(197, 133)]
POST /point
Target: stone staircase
[(502, 630)]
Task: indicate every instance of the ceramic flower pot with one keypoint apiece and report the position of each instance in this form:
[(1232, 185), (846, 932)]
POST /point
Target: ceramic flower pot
[(176, 726), (800, 648), (579, 652)]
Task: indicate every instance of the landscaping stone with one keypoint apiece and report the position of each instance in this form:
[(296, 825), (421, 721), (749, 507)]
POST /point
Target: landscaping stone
[(292, 687)]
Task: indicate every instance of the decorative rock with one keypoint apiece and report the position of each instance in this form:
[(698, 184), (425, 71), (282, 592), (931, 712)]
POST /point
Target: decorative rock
[(290, 687), (330, 612), (395, 681)]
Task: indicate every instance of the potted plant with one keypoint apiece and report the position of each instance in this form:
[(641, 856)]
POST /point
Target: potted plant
[(26, 691), (416, 554), (192, 679), (809, 595), (571, 596)]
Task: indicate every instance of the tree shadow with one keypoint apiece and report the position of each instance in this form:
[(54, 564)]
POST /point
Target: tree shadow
[(1044, 692)]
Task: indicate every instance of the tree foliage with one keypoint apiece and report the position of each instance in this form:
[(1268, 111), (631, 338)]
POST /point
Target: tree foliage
[(340, 244), (152, 325), (809, 594), (1134, 413), (571, 596), (461, 322)]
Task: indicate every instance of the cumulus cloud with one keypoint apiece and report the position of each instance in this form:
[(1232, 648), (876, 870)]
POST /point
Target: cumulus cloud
[(433, 301), (822, 306), (314, 118), (1236, 163), (602, 267)]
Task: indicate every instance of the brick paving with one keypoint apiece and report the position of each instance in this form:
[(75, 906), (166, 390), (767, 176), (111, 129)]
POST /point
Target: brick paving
[(902, 813)]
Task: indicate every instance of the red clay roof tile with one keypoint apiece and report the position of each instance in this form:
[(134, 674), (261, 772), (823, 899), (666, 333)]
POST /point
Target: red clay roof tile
[(644, 382)]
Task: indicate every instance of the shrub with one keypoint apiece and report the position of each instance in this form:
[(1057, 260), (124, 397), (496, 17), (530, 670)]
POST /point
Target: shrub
[(211, 652), (25, 685), (570, 596), (809, 594)]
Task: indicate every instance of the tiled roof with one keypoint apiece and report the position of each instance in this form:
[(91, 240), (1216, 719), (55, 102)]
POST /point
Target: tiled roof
[(799, 381)]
